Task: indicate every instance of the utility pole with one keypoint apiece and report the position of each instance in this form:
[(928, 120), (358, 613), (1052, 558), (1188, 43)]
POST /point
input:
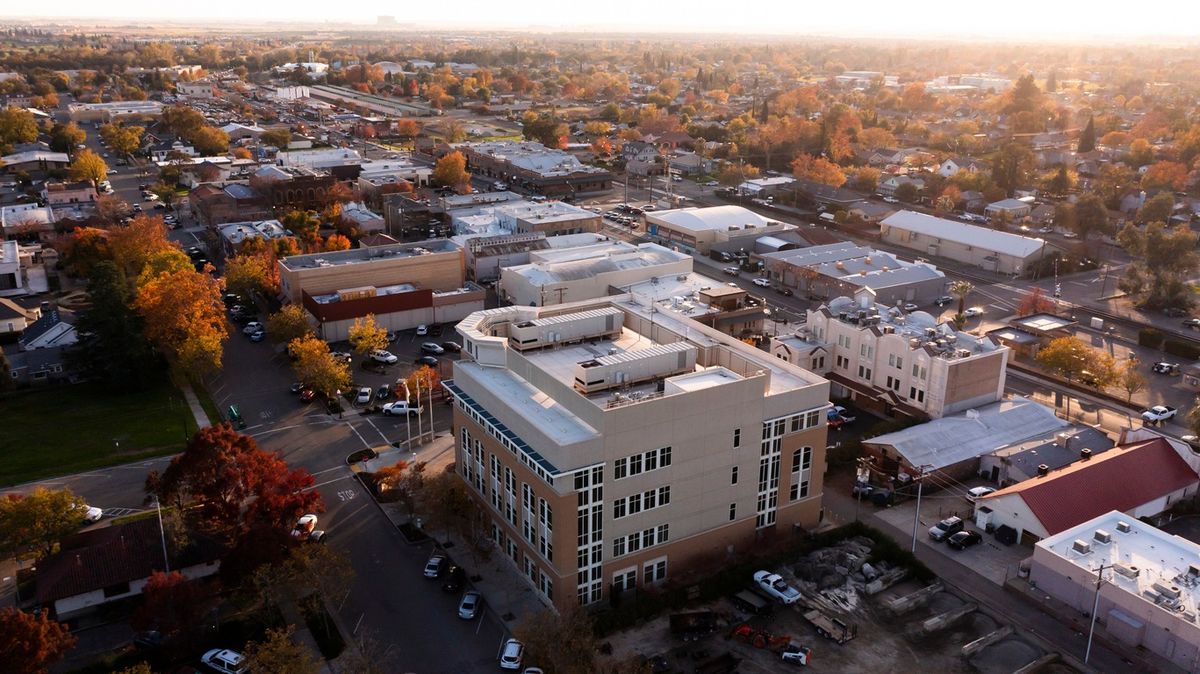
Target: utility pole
[(917, 516), (1095, 607), (162, 535)]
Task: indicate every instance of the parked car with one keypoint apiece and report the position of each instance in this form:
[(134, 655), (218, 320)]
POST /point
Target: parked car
[(943, 300), (422, 330), (976, 493), (762, 282), (297, 387), (469, 605), (1165, 368), (732, 271), (775, 586), (452, 347), (1193, 323), (972, 312), (455, 577), (306, 529), (400, 408), (946, 528), (90, 513), (364, 396), (307, 395), (431, 361), (342, 356), (910, 307), (511, 654), (252, 327), (433, 348), (1175, 312), (258, 335), (225, 661), (786, 292), (712, 183), (386, 357), (435, 567), (964, 539), (383, 392), (391, 336)]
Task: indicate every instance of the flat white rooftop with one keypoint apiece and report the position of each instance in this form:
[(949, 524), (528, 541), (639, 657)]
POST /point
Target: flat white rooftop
[(1161, 560)]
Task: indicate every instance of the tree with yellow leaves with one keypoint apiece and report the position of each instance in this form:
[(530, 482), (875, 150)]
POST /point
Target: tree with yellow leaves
[(184, 318), (367, 335), (451, 171), (88, 166), (317, 368)]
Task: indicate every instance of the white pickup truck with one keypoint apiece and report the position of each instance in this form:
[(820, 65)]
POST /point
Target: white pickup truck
[(1158, 414)]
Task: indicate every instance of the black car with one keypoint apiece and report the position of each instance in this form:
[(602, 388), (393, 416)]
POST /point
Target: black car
[(426, 360), (383, 393), (149, 640), (435, 330), (786, 292), (455, 577), (452, 347), (231, 299), (964, 539), (1175, 312)]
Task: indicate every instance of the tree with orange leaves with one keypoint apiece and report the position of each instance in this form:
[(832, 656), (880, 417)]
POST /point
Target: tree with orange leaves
[(451, 171), (1034, 301), (184, 318), (336, 242), (818, 169), (135, 243)]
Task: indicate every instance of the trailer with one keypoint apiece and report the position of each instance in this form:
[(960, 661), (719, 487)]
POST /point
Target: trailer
[(831, 628), (751, 602), (693, 626)]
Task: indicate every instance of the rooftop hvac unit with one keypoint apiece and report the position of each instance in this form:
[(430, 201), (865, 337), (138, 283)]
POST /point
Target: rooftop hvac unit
[(889, 329), (931, 332), (1168, 591), (1193, 570), (914, 343), (1128, 571), (963, 353), (1123, 527), (1043, 470), (1081, 546), (1102, 536)]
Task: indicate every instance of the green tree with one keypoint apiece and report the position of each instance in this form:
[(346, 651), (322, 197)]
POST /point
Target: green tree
[(65, 137), (6, 380), (1193, 417), (1087, 139), (289, 323), (31, 643), (907, 192), (367, 335), (165, 193), (1165, 258), (1011, 166), (113, 347), (88, 165), (278, 653), (1091, 217), (33, 524), (960, 290), (210, 141)]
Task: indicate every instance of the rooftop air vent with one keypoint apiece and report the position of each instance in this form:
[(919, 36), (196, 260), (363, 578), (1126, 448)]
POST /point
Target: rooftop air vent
[(1081, 546), (1169, 591), (1123, 527), (1102, 536), (1128, 571)]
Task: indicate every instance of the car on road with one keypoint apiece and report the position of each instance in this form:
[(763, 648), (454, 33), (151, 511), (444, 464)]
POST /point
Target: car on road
[(786, 292), (1193, 323), (712, 183), (431, 361), (469, 605), (964, 539), (1162, 367), (306, 529), (225, 661), (386, 357), (435, 567), (943, 300), (775, 586), (390, 336), (258, 335), (112, 172), (252, 327), (1158, 414), (1070, 235), (762, 282), (90, 513), (946, 528), (840, 412), (976, 493), (363, 396), (307, 395), (297, 387), (433, 348), (1175, 312), (1045, 230), (455, 577), (342, 356), (891, 200), (400, 408), (511, 654), (422, 330), (910, 307), (452, 347), (973, 312), (732, 271)]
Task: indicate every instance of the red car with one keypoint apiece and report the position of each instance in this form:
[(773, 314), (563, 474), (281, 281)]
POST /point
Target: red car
[(307, 395)]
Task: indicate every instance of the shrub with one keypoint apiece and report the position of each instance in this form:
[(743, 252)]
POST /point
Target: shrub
[(1150, 337), (1181, 349)]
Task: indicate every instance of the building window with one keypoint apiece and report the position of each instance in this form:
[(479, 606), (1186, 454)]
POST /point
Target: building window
[(801, 473), (733, 475), (737, 438), (624, 580), (654, 572), (732, 511), (619, 468)]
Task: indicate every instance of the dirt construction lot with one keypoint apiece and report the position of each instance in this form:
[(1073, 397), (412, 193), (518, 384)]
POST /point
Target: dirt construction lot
[(886, 641)]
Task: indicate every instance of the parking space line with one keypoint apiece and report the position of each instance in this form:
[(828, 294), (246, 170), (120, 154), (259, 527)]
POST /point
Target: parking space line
[(360, 437), (385, 440), (273, 430), (336, 479)]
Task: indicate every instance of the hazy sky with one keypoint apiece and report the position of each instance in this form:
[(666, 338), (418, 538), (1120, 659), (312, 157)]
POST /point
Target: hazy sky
[(1011, 19)]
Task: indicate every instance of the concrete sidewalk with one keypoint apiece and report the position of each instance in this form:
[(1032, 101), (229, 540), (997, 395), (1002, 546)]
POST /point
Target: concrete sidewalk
[(489, 570), (201, 417)]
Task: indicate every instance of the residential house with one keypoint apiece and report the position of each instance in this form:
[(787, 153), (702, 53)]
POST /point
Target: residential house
[(890, 184), (833, 198), (69, 193), (690, 164), (953, 165), (1142, 479), (766, 187), (14, 318), (49, 331), (34, 161), (1009, 210), (26, 221), (233, 234), (636, 150), (362, 218), (170, 148)]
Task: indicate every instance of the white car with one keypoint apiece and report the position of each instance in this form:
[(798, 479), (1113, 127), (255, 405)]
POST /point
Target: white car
[(972, 312), (711, 183), (1070, 235), (90, 513), (762, 282), (511, 653), (252, 327), (381, 356), (364, 396), (422, 330), (401, 408), (910, 307), (225, 661), (774, 585), (306, 529), (976, 493), (432, 347), (342, 356), (891, 200)]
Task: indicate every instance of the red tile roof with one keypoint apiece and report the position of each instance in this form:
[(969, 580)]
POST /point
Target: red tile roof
[(1120, 479)]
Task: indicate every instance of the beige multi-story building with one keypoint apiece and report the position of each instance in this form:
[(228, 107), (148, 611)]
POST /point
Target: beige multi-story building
[(614, 447), (892, 361), (436, 264)]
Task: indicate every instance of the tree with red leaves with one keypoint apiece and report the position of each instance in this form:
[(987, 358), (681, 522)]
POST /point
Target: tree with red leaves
[(172, 605), (1035, 302), (31, 644)]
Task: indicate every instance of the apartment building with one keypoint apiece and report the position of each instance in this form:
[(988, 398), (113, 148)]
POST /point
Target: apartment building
[(890, 361), (614, 447)]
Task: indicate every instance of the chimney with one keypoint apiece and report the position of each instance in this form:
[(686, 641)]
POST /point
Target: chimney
[(1043, 470), (1085, 454)]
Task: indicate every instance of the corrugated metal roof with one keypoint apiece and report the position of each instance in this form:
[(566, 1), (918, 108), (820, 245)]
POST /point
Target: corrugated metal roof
[(961, 232)]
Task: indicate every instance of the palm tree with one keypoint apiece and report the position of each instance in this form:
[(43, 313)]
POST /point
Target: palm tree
[(961, 289)]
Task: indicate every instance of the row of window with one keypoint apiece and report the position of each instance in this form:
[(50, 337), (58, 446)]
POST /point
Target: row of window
[(647, 500), (641, 463), (623, 545), (653, 572), (537, 577), (536, 514)]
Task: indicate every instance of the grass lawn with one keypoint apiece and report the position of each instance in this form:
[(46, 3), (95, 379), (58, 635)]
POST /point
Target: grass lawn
[(68, 429)]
